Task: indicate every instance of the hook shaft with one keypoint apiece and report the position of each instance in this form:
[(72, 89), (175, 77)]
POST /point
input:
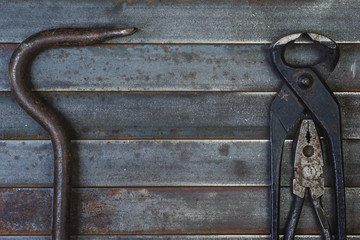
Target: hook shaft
[(19, 67)]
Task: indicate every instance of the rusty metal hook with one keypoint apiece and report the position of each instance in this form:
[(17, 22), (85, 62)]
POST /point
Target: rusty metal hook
[(19, 66)]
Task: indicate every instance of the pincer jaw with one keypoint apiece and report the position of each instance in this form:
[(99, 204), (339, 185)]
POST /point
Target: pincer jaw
[(313, 36), (329, 45)]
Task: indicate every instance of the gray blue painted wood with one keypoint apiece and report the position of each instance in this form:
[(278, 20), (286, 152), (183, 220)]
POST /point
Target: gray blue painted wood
[(182, 210), (178, 21), (173, 68), (116, 115), (158, 163), (208, 61)]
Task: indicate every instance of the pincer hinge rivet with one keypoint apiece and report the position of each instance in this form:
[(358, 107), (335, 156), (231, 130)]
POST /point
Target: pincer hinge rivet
[(308, 151), (305, 81)]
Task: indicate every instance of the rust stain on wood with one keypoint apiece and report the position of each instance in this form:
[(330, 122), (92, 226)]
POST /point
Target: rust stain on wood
[(167, 210)]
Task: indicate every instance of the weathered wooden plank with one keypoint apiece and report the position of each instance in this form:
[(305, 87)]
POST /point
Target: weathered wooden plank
[(169, 237), (176, 21), (158, 163), (173, 68), (123, 115), (230, 210), (138, 163)]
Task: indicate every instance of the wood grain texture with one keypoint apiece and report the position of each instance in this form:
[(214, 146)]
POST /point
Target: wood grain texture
[(159, 163), (174, 68), (168, 237), (116, 115), (178, 21), (197, 186), (230, 210)]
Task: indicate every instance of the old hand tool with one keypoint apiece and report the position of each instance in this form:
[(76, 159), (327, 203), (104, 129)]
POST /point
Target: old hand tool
[(305, 92), (21, 89), (308, 170)]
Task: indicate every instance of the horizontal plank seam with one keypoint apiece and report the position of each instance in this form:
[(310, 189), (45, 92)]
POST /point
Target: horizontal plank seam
[(164, 187), (245, 236), (152, 187), (157, 140), (172, 91), (143, 140), (163, 139), (194, 235), (197, 43), (158, 187)]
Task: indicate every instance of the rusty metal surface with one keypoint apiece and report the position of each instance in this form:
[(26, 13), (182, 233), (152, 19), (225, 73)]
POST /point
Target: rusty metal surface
[(308, 178), (308, 162), (179, 21)]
